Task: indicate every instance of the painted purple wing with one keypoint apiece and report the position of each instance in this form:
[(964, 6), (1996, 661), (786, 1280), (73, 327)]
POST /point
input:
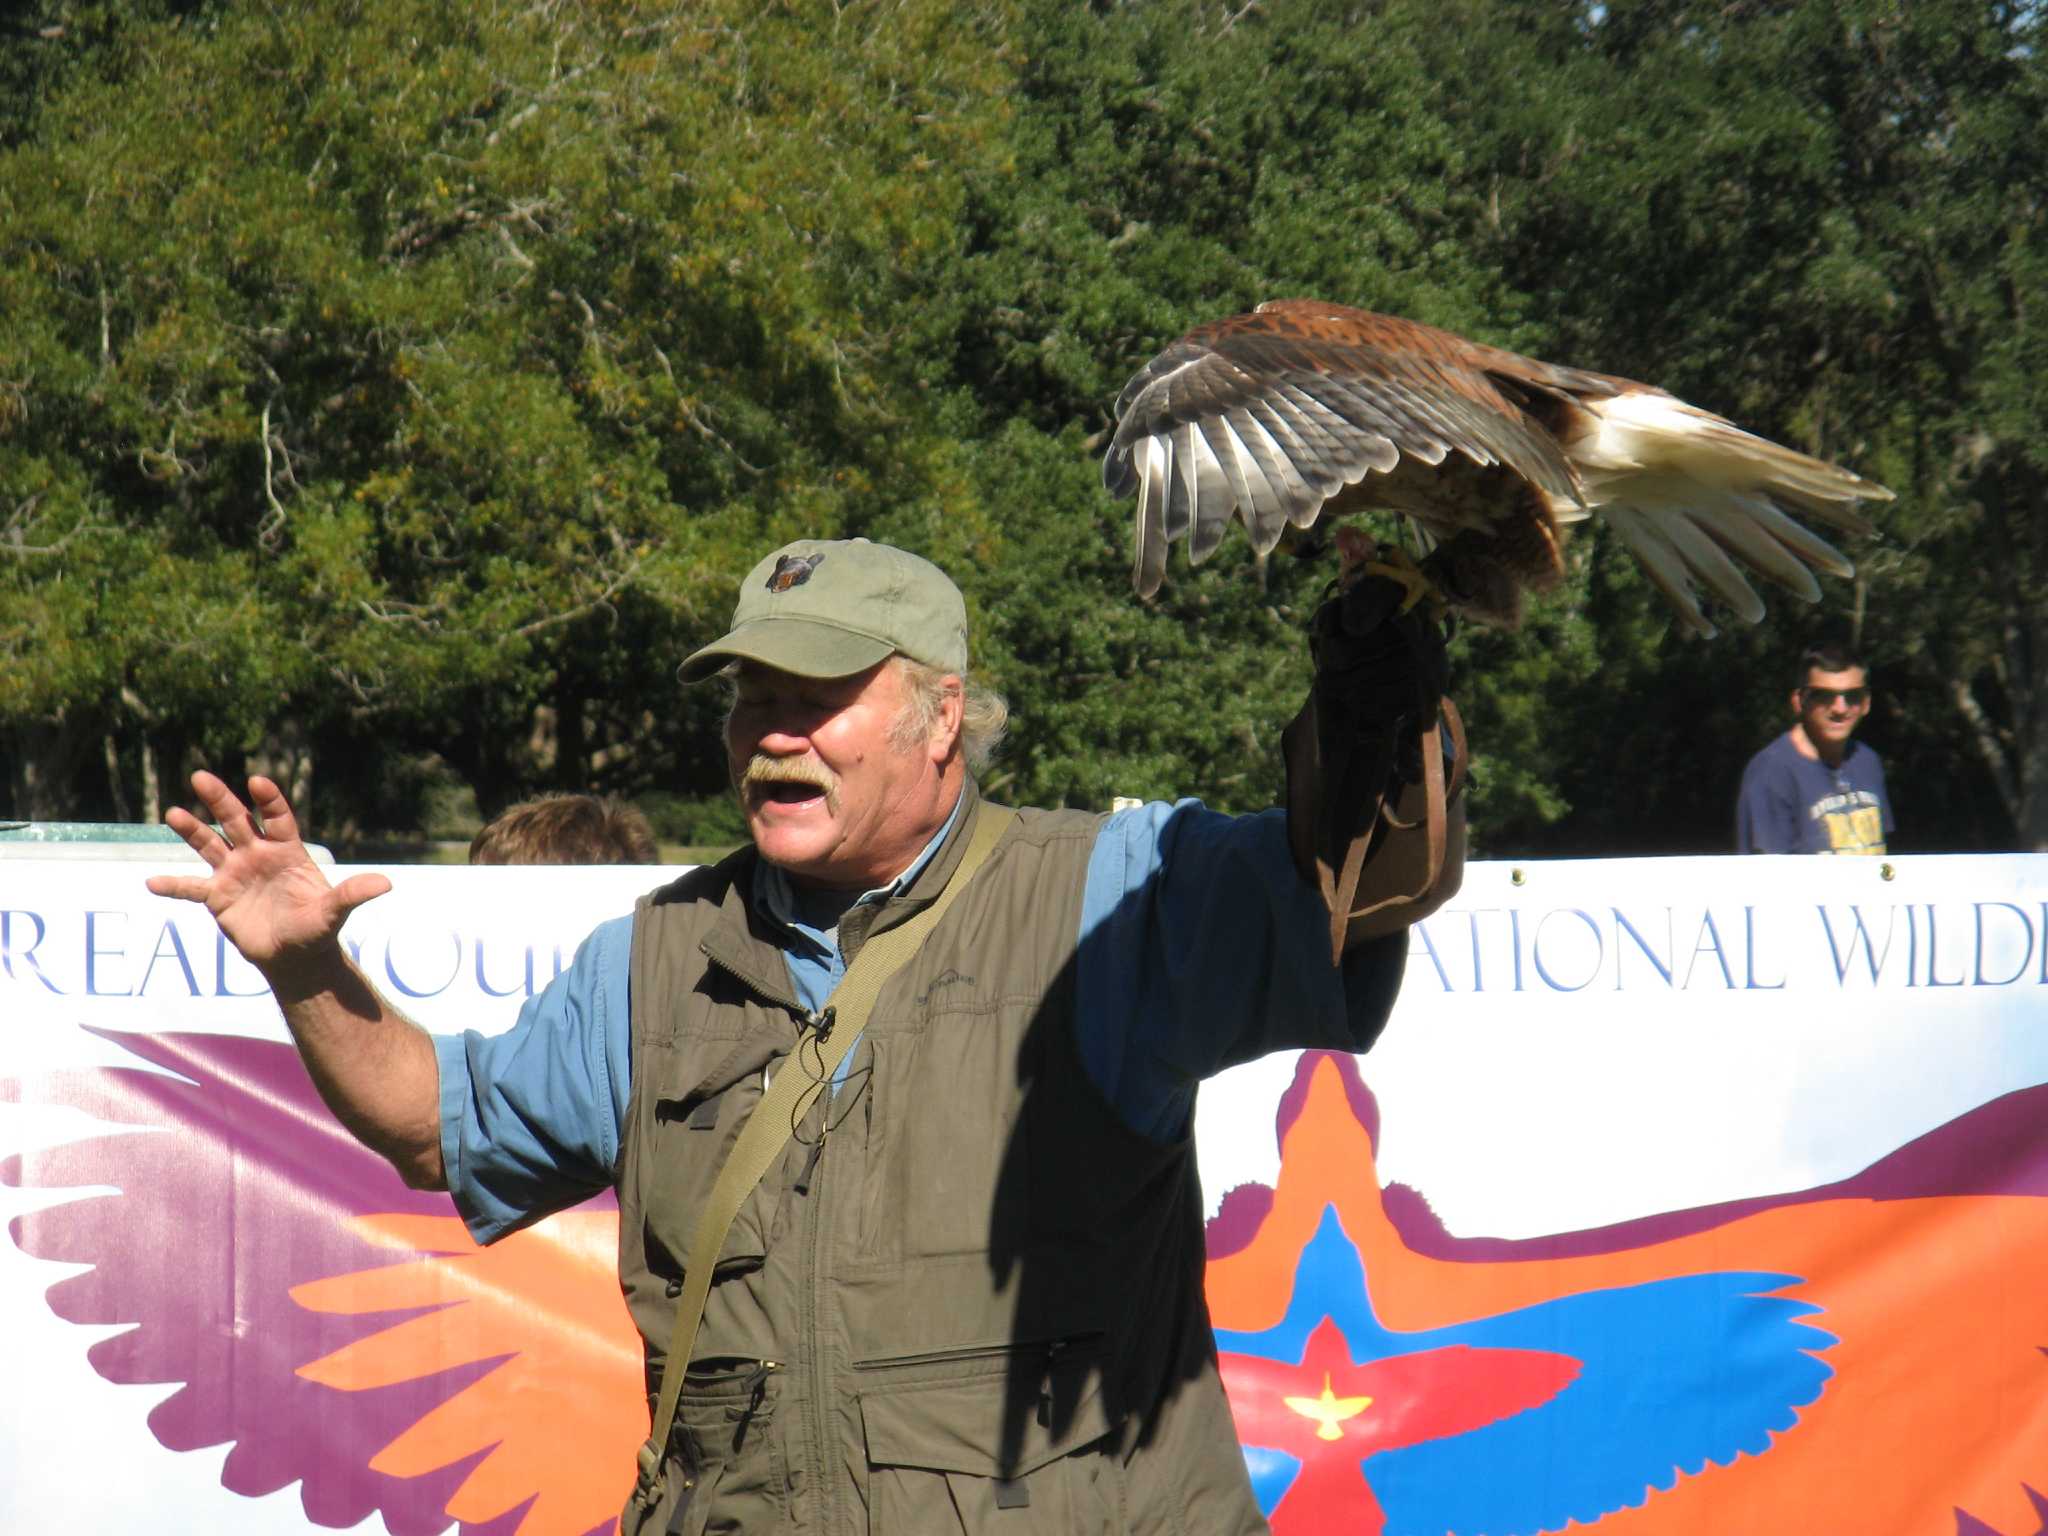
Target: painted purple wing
[(237, 1186)]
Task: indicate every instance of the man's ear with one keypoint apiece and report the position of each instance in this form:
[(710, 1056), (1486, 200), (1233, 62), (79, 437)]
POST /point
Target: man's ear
[(946, 729)]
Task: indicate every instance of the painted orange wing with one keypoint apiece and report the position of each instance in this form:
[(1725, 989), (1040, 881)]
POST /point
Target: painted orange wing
[(558, 1418)]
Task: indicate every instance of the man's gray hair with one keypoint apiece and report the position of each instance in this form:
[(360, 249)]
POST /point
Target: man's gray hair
[(984, 713)]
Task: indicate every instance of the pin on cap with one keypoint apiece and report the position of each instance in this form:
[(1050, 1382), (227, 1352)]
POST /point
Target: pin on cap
[(829, 608)]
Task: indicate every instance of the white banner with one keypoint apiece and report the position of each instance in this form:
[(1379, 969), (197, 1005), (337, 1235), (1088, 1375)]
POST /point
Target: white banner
[(1579, 1047)]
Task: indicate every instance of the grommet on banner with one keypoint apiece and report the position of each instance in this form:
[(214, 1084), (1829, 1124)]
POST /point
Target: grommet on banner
[(1516, 877), (1885, 871)]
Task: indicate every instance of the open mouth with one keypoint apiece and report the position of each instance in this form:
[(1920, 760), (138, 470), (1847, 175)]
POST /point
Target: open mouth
[(767, 785), (772, 795), (788, 791)]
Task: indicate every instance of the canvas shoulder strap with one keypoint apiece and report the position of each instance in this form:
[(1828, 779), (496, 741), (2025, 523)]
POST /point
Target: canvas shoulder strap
[(782, 1108)]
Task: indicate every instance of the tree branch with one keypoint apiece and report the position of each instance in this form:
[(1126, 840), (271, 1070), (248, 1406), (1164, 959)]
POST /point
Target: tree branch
[(392, 611), (1984, 736), (557, 84), (14, 533), (619, 581), (271, 529), (695, 418)]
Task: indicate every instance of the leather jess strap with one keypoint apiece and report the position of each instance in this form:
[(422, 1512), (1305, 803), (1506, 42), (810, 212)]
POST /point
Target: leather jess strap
[(791, 1092), (1340, 886)]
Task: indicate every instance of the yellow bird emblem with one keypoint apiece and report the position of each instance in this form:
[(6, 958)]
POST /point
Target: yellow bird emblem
[(1329, 1410)]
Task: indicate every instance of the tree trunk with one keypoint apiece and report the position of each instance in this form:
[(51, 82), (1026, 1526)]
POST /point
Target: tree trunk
[(46, 771), (167, 770), (286, 757), (117, 791), (152, 784), (147, 721), (2030, 732)]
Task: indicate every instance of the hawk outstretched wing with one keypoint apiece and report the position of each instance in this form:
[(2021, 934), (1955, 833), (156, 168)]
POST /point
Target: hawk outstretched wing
[(1303, 409)]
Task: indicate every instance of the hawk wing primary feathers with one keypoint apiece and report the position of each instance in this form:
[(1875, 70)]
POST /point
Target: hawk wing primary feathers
[(1301, 407)]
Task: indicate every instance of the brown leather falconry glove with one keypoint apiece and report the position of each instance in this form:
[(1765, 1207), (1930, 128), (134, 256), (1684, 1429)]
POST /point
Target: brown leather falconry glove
[(1376, 722)]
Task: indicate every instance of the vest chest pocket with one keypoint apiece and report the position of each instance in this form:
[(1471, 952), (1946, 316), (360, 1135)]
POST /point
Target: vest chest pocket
[(1021, 1445), (949, 1167), (697, 1113)]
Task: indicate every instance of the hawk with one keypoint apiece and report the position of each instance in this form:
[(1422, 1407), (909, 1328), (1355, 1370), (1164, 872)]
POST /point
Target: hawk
[(1303, 408)]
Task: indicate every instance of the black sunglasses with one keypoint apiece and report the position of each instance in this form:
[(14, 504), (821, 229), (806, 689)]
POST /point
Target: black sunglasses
[(1824, 698)]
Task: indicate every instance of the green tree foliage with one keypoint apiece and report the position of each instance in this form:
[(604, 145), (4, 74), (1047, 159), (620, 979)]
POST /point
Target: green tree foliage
[(1823, 220), (394, 366), (388, 384)]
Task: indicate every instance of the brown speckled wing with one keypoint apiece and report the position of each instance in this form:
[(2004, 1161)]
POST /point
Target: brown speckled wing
[(1267, 416)]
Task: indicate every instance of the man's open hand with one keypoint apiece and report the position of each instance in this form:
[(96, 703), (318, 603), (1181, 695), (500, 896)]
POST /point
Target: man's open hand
[(265, 891)]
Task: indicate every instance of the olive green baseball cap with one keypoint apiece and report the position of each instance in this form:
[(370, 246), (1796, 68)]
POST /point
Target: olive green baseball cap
[(834, 607)]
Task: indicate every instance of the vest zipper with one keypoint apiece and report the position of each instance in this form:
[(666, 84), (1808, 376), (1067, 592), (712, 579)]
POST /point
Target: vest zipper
[(714, 1374), (802, 1186), (787, 1004), (821, 1022), (818, 1022), (1052, 1349), (814, 1356)]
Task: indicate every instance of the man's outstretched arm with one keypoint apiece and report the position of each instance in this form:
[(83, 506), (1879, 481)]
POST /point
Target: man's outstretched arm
[(373, 1066)]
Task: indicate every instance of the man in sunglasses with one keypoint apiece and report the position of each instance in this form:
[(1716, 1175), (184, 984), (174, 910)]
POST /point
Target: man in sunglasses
[(1813, 789)]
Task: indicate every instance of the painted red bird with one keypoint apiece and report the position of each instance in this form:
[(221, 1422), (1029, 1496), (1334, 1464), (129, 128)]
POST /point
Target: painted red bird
[(1868, 1356), (1303, 409)]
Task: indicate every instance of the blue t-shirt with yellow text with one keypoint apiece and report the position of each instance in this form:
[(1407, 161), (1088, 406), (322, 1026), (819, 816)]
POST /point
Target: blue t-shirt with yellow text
[(1792, 803)]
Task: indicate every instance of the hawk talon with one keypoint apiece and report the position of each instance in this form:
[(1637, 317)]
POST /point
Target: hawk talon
[(1399, 567)]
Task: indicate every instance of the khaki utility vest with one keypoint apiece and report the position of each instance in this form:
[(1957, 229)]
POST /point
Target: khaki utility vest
[(967, 1297)]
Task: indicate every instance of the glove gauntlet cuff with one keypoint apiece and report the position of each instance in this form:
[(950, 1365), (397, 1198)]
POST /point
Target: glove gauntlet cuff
[(1376, 722)]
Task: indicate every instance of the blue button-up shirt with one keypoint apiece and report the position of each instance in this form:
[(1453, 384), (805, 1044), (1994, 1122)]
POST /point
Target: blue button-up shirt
[(810, 944), (1200, 947)]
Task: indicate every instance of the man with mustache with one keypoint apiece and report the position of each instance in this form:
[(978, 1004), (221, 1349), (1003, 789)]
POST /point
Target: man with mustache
[(968, 1290)]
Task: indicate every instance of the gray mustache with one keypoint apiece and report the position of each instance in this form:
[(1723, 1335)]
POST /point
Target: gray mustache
[(762, 769)]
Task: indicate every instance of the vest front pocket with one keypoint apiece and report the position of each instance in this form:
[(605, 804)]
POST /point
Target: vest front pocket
[(726, 1441), (699, 1112), (1015, 1441)]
